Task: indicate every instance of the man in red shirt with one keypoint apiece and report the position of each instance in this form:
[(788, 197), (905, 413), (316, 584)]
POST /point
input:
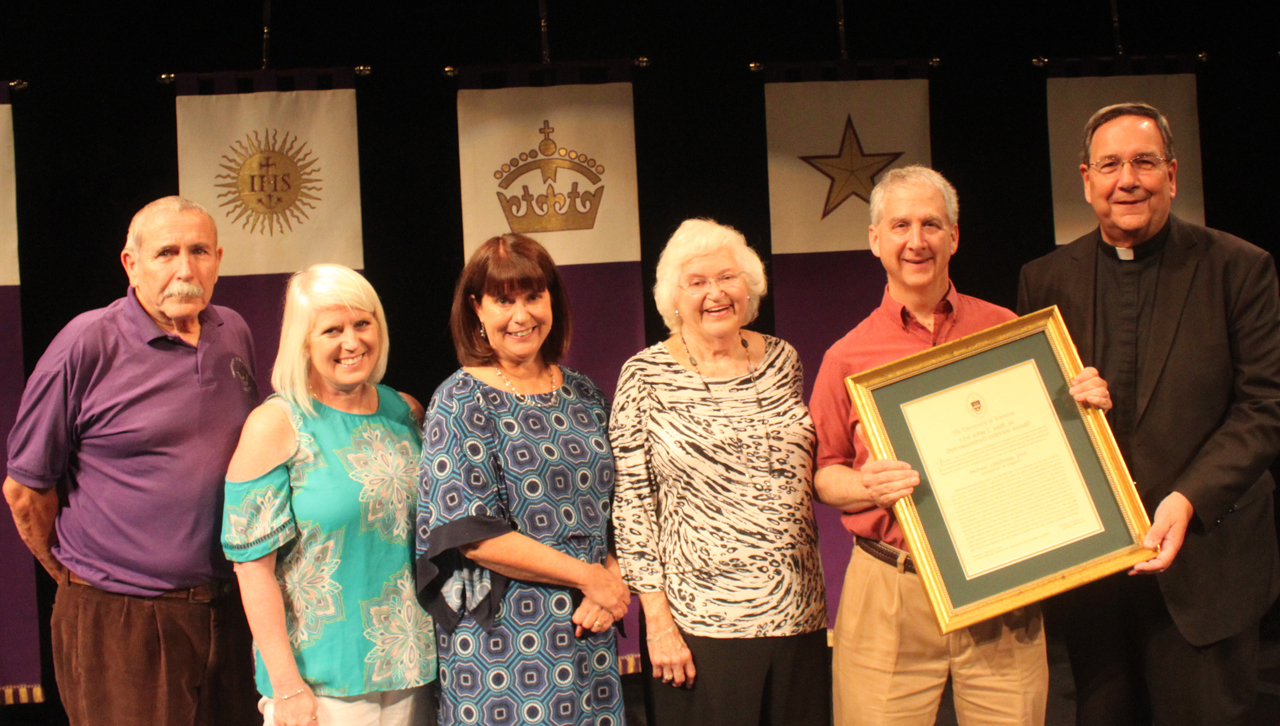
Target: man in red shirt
[(890, 663)]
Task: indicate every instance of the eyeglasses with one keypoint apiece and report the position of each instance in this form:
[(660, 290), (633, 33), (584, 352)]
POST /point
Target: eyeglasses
[(703, 284), (1144, 164)]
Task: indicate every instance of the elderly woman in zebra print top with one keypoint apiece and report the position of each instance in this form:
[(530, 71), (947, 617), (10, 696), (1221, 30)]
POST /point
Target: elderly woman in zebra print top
[(712, 515)]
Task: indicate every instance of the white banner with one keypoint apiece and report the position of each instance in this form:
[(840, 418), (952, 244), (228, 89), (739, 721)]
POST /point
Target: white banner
[(828, 143), (557, 163), (1071, 101), (280, 171), (8, 201)]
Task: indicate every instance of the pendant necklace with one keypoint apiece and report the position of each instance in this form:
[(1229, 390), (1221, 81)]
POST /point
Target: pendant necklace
[(529, 397), (751, 371)]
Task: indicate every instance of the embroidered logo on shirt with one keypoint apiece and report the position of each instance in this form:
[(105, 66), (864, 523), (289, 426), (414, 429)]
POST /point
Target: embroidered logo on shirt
[(240, 370)]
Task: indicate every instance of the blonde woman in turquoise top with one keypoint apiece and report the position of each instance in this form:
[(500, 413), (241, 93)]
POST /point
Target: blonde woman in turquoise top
[(320, 505)]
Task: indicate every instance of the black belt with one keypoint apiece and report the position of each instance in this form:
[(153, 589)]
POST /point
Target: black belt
[(886, 554), (199, 594)]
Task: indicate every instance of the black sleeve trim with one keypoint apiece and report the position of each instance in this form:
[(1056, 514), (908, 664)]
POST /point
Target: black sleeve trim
[(444, 558)]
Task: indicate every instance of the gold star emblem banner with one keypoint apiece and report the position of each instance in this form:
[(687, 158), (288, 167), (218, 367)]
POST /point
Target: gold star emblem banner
[(828, 143), (1071, 101), (280, 172)]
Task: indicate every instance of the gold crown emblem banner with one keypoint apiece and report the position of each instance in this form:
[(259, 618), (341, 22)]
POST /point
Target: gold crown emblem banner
[(280, 172), (557, 163)]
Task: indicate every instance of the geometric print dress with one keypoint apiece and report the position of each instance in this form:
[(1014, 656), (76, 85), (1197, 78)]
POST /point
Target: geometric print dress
[(493, 464), (340, 511)]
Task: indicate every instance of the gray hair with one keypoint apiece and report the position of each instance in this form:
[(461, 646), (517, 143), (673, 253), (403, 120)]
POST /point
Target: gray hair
[(172, 205), (697, 237), (1115, 111), (912, 175)]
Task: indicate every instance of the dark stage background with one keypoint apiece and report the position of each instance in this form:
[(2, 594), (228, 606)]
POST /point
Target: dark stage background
[(95, 133)]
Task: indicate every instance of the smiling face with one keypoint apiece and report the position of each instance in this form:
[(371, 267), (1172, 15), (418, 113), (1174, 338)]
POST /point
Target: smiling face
[(344, 344), (516, 324), (719, 309), (1131, 207), (914, 242), (174, 269)]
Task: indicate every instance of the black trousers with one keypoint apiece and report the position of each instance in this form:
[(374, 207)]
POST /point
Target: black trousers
[(749, 682), (1132, 666)]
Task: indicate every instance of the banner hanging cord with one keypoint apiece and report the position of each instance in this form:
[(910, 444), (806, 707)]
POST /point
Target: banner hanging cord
[(1115, 26), (542, 19), (840, 29), (266, 32)]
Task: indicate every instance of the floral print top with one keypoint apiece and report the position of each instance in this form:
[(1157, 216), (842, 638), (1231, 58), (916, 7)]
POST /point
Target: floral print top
[(340, 512)]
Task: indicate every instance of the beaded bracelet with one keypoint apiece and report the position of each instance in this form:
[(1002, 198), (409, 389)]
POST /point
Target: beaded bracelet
[(298, 692), (660, 635)]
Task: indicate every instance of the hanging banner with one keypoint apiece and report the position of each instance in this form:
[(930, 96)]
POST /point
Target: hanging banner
[(1071, 101), (20, 627), (280, 172), (558, 164), (828, 144), (829, 141)]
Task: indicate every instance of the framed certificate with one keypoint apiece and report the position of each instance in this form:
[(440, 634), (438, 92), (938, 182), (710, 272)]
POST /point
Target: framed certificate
[(1023, 493)]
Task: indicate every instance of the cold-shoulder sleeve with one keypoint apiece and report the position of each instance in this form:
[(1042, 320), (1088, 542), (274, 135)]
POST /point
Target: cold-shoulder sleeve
[(461, 500), (257, 516)]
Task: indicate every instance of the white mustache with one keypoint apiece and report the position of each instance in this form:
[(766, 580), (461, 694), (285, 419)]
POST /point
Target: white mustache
[(183, 289)]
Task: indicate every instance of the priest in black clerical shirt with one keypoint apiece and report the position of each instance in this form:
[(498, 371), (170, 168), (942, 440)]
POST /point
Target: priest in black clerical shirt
[(1184, 324)]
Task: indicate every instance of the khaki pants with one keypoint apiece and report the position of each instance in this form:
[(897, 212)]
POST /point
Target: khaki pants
[(890, 663)]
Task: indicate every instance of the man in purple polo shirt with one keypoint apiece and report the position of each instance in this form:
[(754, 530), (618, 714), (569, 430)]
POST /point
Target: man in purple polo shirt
[(116, 467)]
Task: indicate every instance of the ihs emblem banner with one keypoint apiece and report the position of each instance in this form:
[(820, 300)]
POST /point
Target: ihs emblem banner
[(828, 144), (1071, 101), (558, 164), (280, 172), (19, 629)]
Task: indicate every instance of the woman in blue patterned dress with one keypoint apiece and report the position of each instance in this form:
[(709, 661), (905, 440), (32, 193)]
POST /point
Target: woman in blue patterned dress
[(319, 512), (513, 515)]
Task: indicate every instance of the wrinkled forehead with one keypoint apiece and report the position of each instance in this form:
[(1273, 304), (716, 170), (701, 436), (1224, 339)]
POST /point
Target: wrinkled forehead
[(165, 226), (709, 263), (914, 201)]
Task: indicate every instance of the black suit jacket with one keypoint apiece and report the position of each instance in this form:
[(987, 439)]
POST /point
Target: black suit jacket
[(1208, 411)]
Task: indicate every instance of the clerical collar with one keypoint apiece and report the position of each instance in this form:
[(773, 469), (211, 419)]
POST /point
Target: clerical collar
[(1138, 252)]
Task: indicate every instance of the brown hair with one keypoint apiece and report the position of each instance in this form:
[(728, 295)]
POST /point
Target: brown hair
[(1111, 113), (507, 265)]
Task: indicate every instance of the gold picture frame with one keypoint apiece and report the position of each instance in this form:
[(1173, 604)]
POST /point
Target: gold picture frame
[(982, 542)]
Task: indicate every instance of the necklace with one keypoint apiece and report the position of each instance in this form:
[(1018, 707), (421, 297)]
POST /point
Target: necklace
[(528, 397), (751, 371)]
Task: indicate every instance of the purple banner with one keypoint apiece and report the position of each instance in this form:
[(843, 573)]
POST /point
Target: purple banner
[(817, 298), (260, 301), (608, 319), (608, 328), (20, 654)]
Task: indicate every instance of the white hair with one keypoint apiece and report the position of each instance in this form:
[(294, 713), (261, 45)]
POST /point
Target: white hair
[(317, 288), (697, 237)]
